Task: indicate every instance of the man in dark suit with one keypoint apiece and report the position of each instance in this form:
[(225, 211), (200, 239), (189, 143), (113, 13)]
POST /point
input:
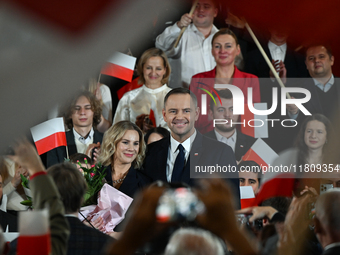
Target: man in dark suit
[(72, 187), (187, 154), (327, 222), (287, 62), (227, 133), (325, 92), (82, 116)]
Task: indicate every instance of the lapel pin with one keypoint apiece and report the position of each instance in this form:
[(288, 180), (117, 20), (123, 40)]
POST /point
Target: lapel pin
[(241, 146), (196, 154)]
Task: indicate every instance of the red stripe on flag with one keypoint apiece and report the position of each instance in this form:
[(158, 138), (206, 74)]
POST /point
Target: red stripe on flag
[(247, 202), (248, 115), (276, 187), (32, 245), (50, 142), (252, 155), (117, 71)]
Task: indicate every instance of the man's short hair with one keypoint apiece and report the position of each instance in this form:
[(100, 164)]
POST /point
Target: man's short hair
[(193, 241), (71, 185), (96, 107), (182, 91), (327, 47), (223, 93)]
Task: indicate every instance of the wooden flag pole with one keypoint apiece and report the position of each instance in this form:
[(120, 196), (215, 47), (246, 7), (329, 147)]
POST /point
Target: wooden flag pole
[(193, 7), (271, 67)]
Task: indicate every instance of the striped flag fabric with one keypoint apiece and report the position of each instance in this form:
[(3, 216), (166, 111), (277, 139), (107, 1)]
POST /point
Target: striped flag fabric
[(49, 135), (247, 196), (261, 153), (34, 235), (120, 66), (255, 125)]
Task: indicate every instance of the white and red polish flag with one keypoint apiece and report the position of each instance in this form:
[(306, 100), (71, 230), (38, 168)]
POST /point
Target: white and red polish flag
[(120, 66), (261, 153), (247, 196), (34, 235), (280, 181), (276, 180), (49, 135), (255, 125)]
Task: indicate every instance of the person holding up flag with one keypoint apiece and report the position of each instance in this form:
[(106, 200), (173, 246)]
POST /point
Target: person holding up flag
[(82, 116)]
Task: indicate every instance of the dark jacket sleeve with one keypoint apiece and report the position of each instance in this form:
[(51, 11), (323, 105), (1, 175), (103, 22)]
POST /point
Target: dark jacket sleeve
[(46, 195)]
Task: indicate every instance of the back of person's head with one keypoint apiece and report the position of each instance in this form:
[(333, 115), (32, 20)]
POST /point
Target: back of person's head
[(279, 203), (190, 241), (163, 132), (70, 183), (327, 210)]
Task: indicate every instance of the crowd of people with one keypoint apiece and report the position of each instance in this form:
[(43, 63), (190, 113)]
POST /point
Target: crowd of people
[(159, 138)]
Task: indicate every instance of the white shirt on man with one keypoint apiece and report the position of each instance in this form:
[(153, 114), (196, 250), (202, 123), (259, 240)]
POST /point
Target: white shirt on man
[(81, 142), (173, 152), (231, 141), (191, 56), (277, 52)]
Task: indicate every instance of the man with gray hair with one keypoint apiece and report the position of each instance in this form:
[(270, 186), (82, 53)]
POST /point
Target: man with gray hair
[(190, 241), (327, 221)]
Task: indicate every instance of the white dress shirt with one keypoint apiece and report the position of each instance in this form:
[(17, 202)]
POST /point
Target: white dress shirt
[(81, 142), (173, 152), (277, 52), (231, 141), (191, 56)]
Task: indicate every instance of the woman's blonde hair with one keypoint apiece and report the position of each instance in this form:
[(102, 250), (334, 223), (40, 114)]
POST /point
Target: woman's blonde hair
[(113, 136), (153, 52)]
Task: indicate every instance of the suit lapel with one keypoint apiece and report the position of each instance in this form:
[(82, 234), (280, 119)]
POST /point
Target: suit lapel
[(194, 156), (162, 158), (71, 144)]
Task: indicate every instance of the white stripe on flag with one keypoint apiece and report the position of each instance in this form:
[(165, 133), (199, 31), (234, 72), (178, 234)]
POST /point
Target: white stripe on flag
[(264, 151), (261, 131), (123, 60), (47, 128), (246, 192)]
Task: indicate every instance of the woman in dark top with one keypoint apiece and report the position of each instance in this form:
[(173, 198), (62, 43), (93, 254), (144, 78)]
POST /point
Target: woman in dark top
[(122, 153)]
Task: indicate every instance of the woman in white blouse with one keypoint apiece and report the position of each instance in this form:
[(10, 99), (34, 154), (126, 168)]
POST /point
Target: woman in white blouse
[(154, 70)]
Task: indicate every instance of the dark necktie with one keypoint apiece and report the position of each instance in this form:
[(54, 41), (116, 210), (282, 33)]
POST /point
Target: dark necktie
[(179, 165)]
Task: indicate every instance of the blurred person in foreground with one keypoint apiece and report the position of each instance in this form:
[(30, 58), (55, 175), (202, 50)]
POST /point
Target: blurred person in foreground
[(72, 187), (327, 221), (45, 194), (218, 218)]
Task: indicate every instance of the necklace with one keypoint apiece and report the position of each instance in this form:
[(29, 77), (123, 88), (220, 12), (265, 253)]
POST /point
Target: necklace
[(119, 180)]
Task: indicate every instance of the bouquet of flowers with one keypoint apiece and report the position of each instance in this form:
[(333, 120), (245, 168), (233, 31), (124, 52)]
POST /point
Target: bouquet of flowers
[(94, 177)]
